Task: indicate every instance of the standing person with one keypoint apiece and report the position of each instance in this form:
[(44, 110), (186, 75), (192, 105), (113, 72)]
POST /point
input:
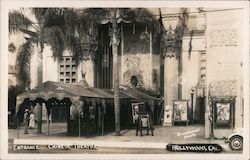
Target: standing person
[(26, 121), (32, 121)]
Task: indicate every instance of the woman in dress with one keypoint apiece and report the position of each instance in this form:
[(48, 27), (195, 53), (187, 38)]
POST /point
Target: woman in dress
[(32, 121)]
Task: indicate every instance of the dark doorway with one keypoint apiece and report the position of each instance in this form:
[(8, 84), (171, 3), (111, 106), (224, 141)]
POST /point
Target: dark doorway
[(59, 114), (104, 60), (200, 110), (59, 110)]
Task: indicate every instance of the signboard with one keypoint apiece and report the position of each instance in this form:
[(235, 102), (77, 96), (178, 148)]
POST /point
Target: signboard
[(180, 111), (135, 110), (222, 118)]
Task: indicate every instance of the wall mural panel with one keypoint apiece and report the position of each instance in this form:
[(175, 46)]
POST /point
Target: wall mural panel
[(136, 56), (132, 68)]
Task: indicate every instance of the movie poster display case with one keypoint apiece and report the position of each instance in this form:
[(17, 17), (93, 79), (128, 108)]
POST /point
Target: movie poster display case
[(223, 109), (180, 111)]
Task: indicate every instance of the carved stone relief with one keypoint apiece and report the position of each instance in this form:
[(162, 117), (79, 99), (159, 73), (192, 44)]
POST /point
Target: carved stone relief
[(132, 68)]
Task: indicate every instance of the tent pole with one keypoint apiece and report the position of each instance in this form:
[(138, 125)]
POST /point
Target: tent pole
[(79, 126), (102, 122), (39, 117), (48, 123), (17, 127), (48, 127), (47, 117)]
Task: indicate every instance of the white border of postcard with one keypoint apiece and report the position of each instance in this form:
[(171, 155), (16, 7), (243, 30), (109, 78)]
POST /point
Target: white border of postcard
[(7, 4)]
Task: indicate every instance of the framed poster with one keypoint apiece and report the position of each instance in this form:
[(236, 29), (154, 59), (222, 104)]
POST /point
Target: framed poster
[(180, 110), (223, 115), (136, 108)]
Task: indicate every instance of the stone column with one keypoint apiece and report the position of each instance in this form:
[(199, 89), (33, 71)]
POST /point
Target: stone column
[(170, 87)]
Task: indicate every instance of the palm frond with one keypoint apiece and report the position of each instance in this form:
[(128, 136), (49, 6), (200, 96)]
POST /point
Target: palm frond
[(39, 13), (30, 33), (17, 21), (70, 16), (55, 38), (82, 50), (76, 49), (95, 15), (53, 17), (23, 62), (71, 21)]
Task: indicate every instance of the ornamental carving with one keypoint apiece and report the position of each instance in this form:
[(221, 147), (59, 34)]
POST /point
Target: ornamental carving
[(170, 43), (132, 62), (172, 38), (223, 38), (222, 88), (132, 68)]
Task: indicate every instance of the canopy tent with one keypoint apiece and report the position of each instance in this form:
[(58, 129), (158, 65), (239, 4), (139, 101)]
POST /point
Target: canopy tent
[(45, 91), (49, 89)]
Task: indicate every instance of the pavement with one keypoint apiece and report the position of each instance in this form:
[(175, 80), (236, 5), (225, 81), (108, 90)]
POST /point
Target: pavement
[(128, 139)]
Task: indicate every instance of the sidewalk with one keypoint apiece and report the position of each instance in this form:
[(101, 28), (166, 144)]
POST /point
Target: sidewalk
[(162, 136)]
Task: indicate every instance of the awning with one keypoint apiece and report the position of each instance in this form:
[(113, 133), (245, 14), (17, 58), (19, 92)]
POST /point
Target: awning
[(48, 90), (133, 92)]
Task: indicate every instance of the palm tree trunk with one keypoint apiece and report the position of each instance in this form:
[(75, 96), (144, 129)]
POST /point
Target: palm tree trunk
[(116, 90), (115, 43), (39, 82)]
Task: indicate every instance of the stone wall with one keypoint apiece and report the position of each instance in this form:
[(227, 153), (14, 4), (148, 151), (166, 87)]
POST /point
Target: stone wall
[(225, 55)]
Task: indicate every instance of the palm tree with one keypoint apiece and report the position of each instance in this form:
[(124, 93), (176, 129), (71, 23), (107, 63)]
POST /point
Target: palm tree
[(113, 15), (19, 22), (54, 26), (69, 28), (134, 15)]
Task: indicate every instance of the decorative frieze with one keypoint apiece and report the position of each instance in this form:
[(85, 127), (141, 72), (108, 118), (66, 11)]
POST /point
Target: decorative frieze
[(223, 88), (223, 38)]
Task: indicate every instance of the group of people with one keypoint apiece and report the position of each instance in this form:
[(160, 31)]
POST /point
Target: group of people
[(29, 120)]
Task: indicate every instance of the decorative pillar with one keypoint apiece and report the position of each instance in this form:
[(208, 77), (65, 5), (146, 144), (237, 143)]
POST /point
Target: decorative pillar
[(171, 85), (171, 48)]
